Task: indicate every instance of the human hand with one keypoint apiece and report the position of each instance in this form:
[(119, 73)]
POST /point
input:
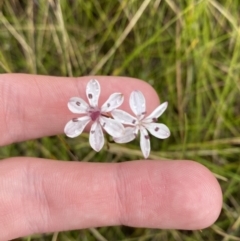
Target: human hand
[(39, 195)]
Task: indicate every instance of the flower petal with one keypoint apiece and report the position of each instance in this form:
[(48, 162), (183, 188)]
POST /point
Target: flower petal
[(93, 91), (129, 134), (160, 131), (76, 126), (113, 102), (145, 142), (124, 117), (156, 113), (96, 137), (112, 127), (137, 103), (77, 105)]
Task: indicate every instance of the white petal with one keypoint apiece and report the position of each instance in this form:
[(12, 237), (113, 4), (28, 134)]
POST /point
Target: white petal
[(113, 102), (96, 137), (93, 91), (77, 105), (160, 131), (76, 126), (137, 103), (156, 113), (124, 117), (129, 134), (145, 142), (112, 127)]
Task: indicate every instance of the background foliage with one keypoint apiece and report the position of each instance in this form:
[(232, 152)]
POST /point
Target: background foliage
[(188, 50)]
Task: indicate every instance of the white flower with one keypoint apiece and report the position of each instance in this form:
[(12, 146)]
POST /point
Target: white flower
[(93, 113), (138, 105)]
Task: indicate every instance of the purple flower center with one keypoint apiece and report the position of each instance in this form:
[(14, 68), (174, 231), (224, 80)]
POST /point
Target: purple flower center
[(94, 114)]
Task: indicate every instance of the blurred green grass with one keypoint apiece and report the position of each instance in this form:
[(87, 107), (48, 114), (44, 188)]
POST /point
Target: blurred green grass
[(189, 51)]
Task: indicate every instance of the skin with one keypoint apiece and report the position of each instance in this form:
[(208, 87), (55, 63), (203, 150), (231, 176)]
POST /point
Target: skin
[(39, 195)]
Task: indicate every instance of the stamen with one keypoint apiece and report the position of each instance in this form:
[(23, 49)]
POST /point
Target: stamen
[(134, 121), (108, 115), (108, 105), (154, 119), (104, 124), (92, 132), (146, 137), (78, 103)]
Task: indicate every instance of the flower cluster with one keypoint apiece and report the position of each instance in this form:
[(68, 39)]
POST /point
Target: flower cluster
[(122, 126)]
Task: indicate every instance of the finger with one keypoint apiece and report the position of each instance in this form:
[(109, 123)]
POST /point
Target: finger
[(51, 196), (35, 106)]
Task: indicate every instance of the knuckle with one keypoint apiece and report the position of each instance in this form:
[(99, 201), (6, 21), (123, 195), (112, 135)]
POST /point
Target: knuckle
[(10, 112), (35, 200), (121, 195)]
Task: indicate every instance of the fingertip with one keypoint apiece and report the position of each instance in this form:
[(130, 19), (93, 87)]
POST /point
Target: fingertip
[(202, 205), (25, 96), (209, 199), (170, 195)]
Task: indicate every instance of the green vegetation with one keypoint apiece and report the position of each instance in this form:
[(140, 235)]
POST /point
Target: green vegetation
[(189, 51)]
